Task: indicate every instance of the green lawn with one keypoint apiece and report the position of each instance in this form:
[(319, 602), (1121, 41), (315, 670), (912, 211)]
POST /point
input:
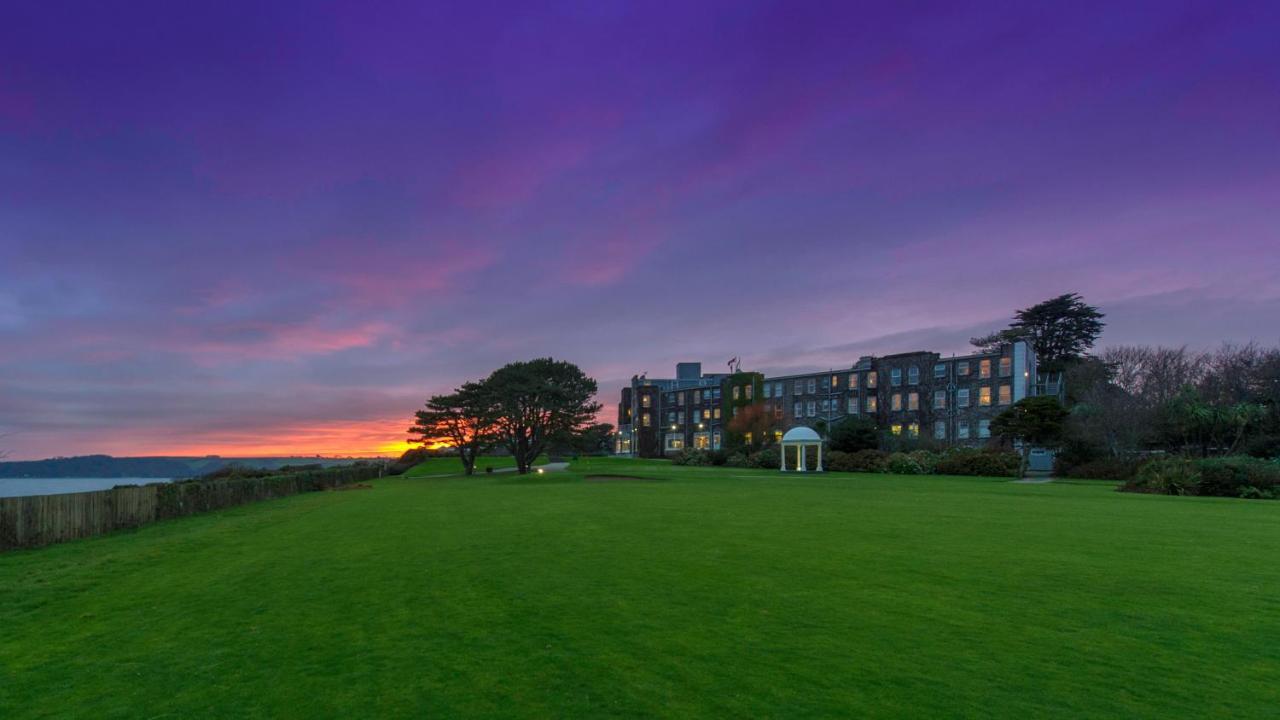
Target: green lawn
[(449, 465), (702, 593)]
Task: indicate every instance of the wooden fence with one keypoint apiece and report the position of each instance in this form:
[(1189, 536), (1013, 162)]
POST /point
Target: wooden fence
[(33, 521)]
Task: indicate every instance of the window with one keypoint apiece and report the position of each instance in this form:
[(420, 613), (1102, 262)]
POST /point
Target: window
[(675, 442), (715, 440), (768, 388), (913, 401), (1006, 366), (895, 402), (872, 379), (680, 417), (939, 399), (853, 406), (962, 397), (913, 375), (835, 381), (749, 391), (646, 400), (939, 430), (715, 394), (853, 381), (984, 369), (717, 413), (813, 386), (680, 398), (799, 410), (913, 430), (671, 417), (826, 406), (984, 428), (895, 377), (813, 409), (646, 419), (962, 430), (697, 416), (736, 391), (896, 428), (871, 404), (777, 389), (984, 396), (1006, 394), (669, 398), (702, 441), (747, 437), (940, 370), (962, 367), (798, 388)]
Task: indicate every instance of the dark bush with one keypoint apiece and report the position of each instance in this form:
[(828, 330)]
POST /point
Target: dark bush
[(1238, 476), (718, 457), (1166, 476), (689, 456), (853, 434), (739, 460), (861, 461), (1266, 447), (767, 459), (1103, 469), (985, 462), (900, 463)]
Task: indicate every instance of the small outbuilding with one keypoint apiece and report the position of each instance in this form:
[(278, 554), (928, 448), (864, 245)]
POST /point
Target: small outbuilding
[(801, 438)]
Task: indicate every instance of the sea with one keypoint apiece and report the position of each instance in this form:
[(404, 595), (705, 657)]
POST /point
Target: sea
[(20, 487)]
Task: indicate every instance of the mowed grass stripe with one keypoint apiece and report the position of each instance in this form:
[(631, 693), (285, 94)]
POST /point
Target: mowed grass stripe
[(702, 595)]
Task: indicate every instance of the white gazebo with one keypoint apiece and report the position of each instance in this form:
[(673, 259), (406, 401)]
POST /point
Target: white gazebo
[(801, 438)]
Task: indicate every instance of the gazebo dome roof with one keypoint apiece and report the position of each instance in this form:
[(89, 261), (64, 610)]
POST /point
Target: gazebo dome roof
[(801, 434)]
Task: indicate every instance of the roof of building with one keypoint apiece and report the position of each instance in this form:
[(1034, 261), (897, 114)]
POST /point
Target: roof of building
[(801, 434)]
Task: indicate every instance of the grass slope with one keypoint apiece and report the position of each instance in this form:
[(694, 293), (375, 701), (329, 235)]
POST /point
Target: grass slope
[(709, 592)]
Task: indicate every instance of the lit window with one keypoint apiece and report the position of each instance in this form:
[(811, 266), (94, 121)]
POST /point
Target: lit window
[(984, 396), (768, 387), (962, 397), (913, 375), (895, 402), (913, 401), (939, 430), (717, 413), (984, 369), (747, 437), (896, 429), (939, 399), (799, 410), (749, 391), (646, 419), (895, 377), (853, 381), (853, 406), (813, 386), (1006, 394), (872, 379), (1006, 366), (646, 401), (813, 409), (835, 381), (701, 441), (940, 370), (984, 428), (913, 429), (736, 390), (675, 442), (962, 367), (871, 404), (962, 430)]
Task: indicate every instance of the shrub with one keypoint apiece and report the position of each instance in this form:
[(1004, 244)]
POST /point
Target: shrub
[(984, 463), (927, 460), (1166, 476), (738, 460), (768, 459), (1238, 476), (689, 456), (903, 464), (1264, 446), (718, 457), (1102, 469), (853, 434)]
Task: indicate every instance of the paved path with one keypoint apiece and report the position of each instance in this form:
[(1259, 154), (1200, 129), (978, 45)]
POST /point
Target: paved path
[(1034, 480), (549, 467)]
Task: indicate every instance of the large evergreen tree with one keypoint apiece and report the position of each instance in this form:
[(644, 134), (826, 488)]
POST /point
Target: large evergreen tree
[(1061, 329), (464, 420), (1035, 421), (537, 401)]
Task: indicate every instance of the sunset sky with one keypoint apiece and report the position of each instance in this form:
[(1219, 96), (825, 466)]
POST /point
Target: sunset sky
[(256, 228)]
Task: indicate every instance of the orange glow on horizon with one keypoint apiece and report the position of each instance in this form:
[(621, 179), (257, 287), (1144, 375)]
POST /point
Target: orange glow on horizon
[(373, 438)]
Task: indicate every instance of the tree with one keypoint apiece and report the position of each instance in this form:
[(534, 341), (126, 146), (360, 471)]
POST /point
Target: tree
[(464, 420), (855, 433), (594, 439), (1039, 420), (1061, 329), (537, 401)]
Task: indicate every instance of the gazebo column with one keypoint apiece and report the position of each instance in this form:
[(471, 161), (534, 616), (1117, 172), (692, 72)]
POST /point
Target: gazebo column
[(801, 460), (784, 458), (819, 457)]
